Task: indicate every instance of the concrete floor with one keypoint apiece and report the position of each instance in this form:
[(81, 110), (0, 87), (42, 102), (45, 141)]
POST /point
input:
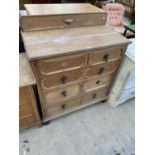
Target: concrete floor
[(95, 130)]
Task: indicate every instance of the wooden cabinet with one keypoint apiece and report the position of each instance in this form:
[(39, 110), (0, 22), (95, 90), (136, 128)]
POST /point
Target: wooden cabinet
[(28, 111), (74, 67)]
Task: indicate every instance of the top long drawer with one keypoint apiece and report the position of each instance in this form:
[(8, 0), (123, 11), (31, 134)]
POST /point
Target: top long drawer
[(54, 65), (31, 23)]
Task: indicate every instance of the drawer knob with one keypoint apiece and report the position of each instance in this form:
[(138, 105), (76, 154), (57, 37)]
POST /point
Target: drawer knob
[(101, 70), (105, 57), (68, 21), (64, 93), (64, 79), (63, 106), (97, 82), (94, 95)]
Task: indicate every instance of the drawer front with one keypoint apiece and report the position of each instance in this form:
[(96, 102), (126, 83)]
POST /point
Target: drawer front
[(29, 23), (26, 121), (62, 94), (25, 109), (102, 69), (105, 55), (96, 95), (52, 65), (62, 78), (97, 82), (50, 110)]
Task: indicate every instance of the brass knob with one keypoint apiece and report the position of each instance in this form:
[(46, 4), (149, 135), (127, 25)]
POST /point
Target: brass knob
[(64, 93), (63, 106), (63, 79), (94, 95), (101, 70), (97, 82), (105, 57)]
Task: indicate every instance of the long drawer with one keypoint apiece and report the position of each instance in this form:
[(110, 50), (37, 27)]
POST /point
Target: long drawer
[(54, 65), (62, 94), (105, 55), (101, 69), (31, 23), (48, 82), (95, 95), (50, 110)]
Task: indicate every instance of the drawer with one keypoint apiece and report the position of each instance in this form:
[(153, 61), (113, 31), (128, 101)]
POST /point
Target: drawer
[(30, 23), (52, 65), (26, 121), (50, 110), (97, 82), (62, 78), (102, 69), (25, 109), (96, 95), (105, 55), (61, 95)]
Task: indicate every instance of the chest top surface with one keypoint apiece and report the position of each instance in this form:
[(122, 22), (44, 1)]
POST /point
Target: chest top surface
[(25, 73), (49, 43), (59, 9)]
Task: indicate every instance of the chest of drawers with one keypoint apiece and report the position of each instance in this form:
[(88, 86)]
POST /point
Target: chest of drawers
[(28, 111), (73, 67)]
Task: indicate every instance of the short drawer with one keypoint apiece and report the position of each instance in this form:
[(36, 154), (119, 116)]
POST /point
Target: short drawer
[(95, 95), (62, 94), (50, 110), (62, 78), (25, 109), (105, 55), (102, 69), (26, 121), (97, 82), (52, 65)]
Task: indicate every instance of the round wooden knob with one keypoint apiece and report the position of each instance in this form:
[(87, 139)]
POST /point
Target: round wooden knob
[(105, 57), (64, 93)]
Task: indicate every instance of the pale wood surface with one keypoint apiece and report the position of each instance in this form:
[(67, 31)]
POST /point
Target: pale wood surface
[(25, 72), (42, 44), (57, 9), (35, 23)]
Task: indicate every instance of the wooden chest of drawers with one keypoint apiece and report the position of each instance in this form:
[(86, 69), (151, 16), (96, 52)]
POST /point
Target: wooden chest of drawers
[(73, 67), (28, 111)]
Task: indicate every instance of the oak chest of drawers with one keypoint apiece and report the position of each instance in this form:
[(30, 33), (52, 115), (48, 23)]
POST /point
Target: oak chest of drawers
[(28, 111), (74, 67)]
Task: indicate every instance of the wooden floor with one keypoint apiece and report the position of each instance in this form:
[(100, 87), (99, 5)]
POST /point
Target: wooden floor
[(95, 130)]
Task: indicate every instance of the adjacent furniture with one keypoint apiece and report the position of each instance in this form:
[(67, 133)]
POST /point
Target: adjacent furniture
[(28, 111), (131, 28), (74, 61), (115, 14), (129, 6), (124, 86)]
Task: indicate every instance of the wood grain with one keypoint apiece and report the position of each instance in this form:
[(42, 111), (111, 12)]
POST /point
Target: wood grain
[(50, 43), (26, 76), (57, 9)]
